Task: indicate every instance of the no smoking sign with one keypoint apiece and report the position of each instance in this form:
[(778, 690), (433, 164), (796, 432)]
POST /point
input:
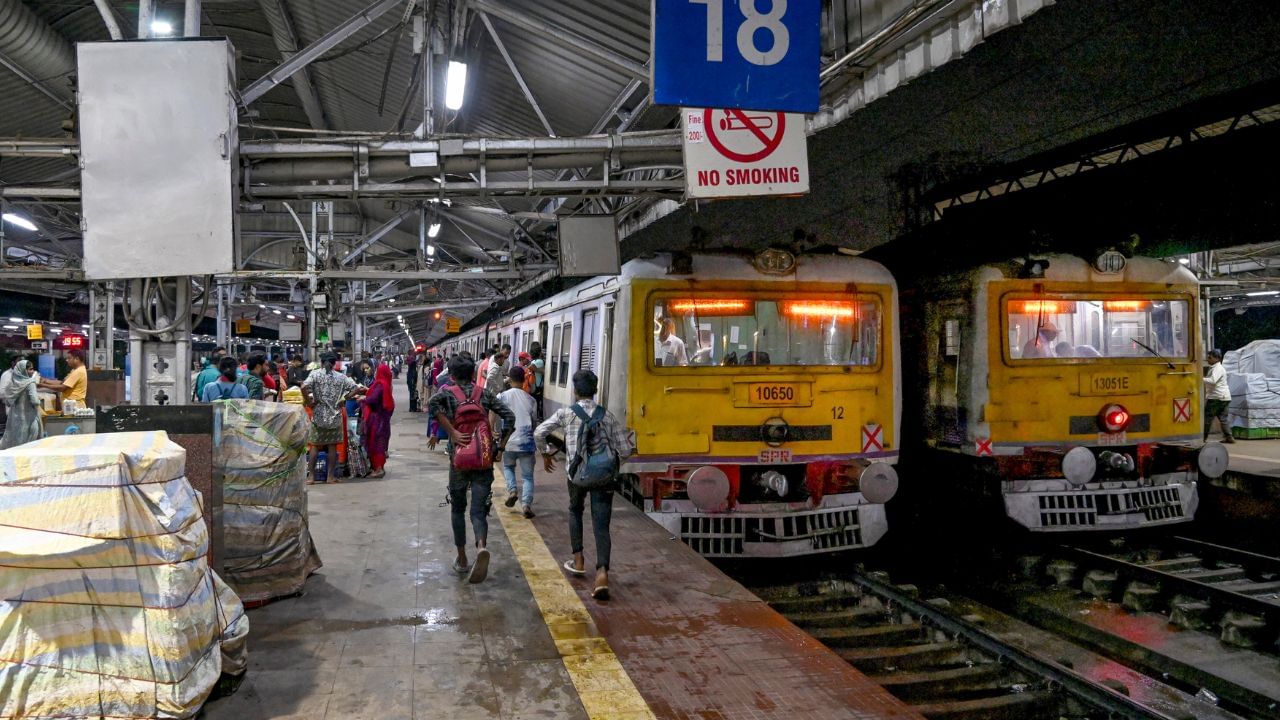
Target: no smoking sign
[(743, 153)]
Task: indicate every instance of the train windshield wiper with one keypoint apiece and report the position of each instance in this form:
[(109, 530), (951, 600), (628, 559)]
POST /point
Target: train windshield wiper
[(1151, 350)]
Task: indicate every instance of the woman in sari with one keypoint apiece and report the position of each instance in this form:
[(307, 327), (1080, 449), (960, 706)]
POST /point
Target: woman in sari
[(378, 406), (23, 403)]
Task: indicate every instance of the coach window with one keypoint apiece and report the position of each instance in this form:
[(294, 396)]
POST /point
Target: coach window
[(551, 358), (1083, 328), (587, 344), (566, 337)]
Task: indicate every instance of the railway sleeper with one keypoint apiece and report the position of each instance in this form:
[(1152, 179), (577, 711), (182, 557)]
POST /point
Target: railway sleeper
[(1141, 597), (837, 618), (1190, 613), (1176, 565), (1246, 631), (905, 657), (1215, 575), (821, 602), (1014, 706), (891, 634), (946, 682)]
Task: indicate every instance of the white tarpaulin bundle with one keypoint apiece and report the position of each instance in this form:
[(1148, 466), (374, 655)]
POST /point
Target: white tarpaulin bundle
[(259, 458), (108, 607), (1255, 400), (1260, 356)]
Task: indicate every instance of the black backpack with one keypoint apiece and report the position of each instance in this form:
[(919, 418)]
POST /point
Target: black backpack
[(595, 465)]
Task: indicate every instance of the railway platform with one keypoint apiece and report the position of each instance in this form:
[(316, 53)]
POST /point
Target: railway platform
[(387, 630)]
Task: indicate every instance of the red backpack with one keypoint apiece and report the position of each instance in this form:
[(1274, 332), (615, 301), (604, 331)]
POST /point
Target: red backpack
[(471, 418)]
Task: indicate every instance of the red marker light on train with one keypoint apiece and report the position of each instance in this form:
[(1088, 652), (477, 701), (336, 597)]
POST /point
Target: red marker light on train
[(1114, 418)]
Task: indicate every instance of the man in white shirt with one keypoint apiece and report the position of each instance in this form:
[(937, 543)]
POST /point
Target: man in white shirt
[(670, 350), (518, 453), (1217, 397)]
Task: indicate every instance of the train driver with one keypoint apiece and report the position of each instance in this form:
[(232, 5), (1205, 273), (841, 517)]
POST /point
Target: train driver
[(670, 348), (1041, 346)]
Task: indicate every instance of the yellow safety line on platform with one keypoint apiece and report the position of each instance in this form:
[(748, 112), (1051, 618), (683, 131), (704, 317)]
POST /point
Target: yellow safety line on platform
[(604, 687)]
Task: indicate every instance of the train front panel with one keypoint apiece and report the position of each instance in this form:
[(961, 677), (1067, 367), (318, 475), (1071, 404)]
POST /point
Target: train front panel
[(765, 412)]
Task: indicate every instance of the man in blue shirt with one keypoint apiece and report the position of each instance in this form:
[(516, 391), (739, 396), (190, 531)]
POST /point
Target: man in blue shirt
[(225, 387)]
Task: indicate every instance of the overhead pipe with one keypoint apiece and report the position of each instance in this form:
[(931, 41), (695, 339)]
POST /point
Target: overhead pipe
[(191, 19), (35, 51), (109, 18), (323, 169), (146, 11)]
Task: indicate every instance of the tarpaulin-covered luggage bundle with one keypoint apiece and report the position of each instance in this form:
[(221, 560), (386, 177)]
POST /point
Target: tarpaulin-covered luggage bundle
[(108, 607), (260, 459)]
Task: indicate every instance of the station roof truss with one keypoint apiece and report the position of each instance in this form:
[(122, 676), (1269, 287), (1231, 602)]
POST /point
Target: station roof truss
[(343, 120)]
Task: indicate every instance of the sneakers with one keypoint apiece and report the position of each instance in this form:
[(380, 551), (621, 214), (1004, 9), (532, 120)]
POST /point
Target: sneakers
[(481, 568), (511, 499), (527, 511)]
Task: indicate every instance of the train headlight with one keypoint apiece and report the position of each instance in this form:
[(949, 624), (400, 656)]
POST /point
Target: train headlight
[(775, 481), (1079, 465), (708, 488), (1113, 418), (878, 483), (1213, 460)]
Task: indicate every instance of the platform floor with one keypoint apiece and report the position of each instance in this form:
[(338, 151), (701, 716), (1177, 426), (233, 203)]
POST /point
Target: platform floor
[(1255, 457), (386, 630)]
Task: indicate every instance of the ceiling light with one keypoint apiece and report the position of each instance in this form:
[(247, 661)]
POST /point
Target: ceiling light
[(25, 224), (400, 318), (1185, 261), (161, 27), (276, 312), (434, 230), (17, 320), (10, 327), (291, 317), (264, 307), (455, 85), (1263, 292), (392, 301), (431, 250)]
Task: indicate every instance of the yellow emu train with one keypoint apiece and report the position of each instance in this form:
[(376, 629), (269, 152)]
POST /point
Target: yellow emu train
[(763, 391), (1071, 389)]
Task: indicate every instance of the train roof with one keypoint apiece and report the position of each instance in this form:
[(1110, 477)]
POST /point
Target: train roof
[(1071, 268)]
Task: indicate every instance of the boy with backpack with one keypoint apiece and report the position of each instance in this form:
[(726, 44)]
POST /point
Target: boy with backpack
[(462, 409), (595, 445)]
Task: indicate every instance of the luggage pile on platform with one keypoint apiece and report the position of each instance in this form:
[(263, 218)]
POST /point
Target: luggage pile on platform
[(260, 457), (1253, 375), (108, 607)]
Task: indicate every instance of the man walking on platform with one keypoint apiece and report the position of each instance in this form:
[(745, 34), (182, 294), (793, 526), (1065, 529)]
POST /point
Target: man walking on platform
[(590, 432), (1217, 397), (411, 374), (445, 406)]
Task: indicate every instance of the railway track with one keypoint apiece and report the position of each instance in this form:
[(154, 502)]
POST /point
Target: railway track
[(1205, 616), (935, 656)]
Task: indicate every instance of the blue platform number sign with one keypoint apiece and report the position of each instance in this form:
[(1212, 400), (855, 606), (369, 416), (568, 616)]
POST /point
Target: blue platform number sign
[(744, 54)]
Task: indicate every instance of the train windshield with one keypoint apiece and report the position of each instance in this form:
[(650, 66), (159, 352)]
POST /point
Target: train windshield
[(722, 331), (1077, 327)]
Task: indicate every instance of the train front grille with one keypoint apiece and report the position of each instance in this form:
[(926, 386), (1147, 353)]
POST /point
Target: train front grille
[(724, 536), (1083, 508)]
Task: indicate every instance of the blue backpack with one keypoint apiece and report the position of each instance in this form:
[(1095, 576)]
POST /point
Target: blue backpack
[(595, 466)]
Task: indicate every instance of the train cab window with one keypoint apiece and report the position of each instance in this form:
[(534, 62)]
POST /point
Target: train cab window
[(1093, 327), (719, 331)]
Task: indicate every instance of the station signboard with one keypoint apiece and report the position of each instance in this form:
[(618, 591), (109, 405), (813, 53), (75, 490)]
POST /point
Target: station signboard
[(452, 325), (243, 326), (35, 331), (746, 54), (742, 153)]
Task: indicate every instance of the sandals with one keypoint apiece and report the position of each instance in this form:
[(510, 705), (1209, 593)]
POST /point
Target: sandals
[(481, 569), (568, 565), (601, 592), (460, 568)]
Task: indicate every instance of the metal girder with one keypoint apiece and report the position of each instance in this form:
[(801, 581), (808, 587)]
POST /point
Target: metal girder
[(380, 232), (285, 37), (304, 57), (465, 302), (523, 188), (479, 274), (515, 72), (35, 82), (590, 47)]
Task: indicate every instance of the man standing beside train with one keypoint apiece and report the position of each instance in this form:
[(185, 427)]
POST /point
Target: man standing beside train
[(1217, 397)]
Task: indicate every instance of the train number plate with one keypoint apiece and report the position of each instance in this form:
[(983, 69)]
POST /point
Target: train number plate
[(1119, 438), (774, 394), (775, 455), (1110, 383)]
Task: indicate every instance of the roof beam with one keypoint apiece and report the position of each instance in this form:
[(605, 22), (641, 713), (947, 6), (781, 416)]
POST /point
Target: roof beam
[(590, 47), (515, 72), (380, 232), (477, 273), (326, 42), (286, 39), (407, 309)]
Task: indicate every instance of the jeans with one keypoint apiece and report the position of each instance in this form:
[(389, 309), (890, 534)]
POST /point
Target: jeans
[(480, 483), (1216, 409), (525, 461), (601, 514), (413, 394)]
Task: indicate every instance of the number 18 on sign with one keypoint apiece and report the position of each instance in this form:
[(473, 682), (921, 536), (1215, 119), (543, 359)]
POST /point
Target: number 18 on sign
[(747, 54), (742, 153)]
